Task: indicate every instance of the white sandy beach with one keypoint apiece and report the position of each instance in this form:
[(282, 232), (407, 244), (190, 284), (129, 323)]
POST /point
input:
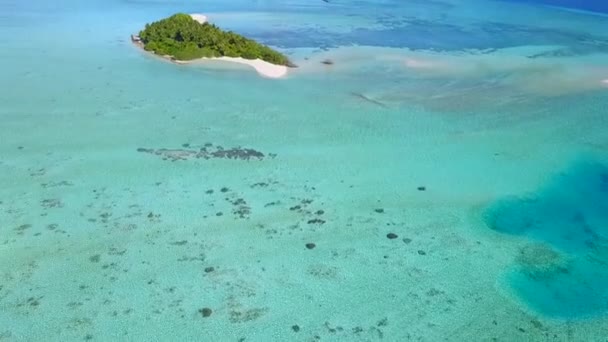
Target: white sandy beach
[(263, 68)]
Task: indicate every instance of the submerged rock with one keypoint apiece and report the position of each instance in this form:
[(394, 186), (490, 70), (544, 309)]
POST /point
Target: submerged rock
[(206, 312)]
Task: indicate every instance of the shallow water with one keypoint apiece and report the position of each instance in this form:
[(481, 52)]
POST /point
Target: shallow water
[(448, 129)]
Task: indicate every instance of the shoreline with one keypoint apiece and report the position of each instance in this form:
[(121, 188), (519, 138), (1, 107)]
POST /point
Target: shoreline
[(263, 68)]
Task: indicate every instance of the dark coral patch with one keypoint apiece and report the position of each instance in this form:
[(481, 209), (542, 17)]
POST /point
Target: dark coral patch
[(205, 312), (206, 152)]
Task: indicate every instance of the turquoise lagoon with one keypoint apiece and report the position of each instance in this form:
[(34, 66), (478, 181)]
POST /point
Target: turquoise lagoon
[(135, 193)]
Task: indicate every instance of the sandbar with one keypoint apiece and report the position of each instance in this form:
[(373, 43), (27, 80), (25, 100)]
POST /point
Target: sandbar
[(605, 82), (263, 68), (419, 63)]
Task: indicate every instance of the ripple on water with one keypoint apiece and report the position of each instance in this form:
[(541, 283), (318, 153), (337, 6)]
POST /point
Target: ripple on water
[(563, 271)]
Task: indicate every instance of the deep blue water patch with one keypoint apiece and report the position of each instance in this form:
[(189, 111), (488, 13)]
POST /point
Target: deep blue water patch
[(599, 6), (563, 271), (416, 34), (396, 25)]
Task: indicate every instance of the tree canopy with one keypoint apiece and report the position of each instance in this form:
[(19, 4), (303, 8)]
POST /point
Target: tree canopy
[(184, 38)]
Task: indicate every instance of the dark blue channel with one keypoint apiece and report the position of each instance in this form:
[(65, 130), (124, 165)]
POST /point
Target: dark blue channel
[(565, 274)]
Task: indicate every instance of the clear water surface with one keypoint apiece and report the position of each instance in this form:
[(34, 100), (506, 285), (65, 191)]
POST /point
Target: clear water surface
[(444, 180)]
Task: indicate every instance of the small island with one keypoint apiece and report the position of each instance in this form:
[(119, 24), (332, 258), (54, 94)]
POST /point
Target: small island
[(183, 38)]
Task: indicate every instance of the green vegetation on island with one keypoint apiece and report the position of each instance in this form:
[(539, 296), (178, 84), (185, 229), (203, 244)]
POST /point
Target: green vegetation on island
[(183, 38)]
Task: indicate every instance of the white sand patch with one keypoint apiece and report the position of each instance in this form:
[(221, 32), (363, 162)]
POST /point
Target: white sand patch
[(604, 82), (263, 68), (419, 63), (199, 17)]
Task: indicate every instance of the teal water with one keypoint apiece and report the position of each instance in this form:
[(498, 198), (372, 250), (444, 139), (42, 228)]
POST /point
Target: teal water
[(567, 277), (113, 226)]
